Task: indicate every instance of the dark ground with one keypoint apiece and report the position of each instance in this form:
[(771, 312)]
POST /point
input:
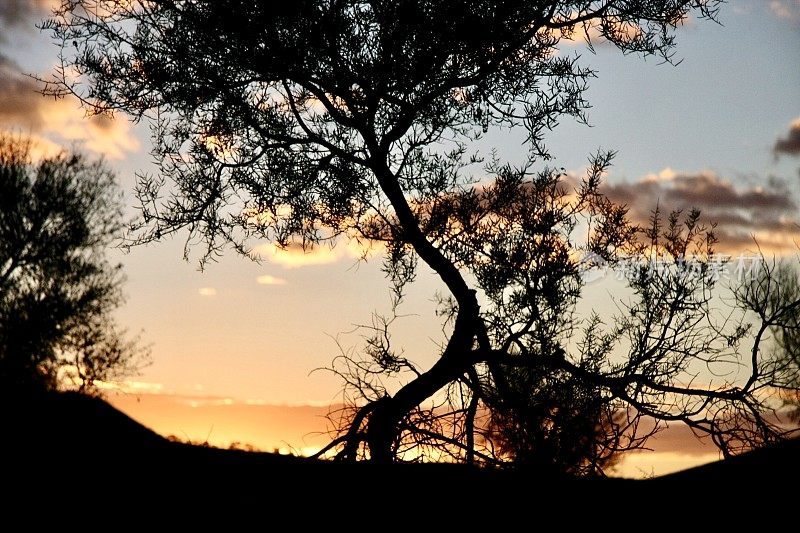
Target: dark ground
[(67, 444)]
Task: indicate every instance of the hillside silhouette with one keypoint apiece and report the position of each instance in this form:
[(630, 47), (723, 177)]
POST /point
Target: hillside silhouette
[(51, 437)]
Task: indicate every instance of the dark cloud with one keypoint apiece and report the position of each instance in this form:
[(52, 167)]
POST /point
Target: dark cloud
[(52, 122), (707, 191), (21, 15), (769, 212), (20, 100), (23, 106), (789, 145), (103, 122)]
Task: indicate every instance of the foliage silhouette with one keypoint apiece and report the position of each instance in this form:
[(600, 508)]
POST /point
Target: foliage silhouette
[(304, 122), (775, 295), (57, 289)]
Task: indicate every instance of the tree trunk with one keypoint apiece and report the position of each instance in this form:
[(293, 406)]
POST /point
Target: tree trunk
[(383, 427)]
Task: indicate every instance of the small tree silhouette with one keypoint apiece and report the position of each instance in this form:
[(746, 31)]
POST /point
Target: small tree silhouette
[(57, 289), (774, 295)]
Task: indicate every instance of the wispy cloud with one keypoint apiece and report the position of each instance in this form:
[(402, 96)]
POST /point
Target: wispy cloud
[(593, 34), (207, 291), (769, 214), (295, 256), (131, 387), (785, 9), (789, 145), (270, 280)]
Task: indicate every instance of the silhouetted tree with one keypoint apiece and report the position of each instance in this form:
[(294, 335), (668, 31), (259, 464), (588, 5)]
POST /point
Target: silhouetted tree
[(774, 295), (57, 289), (311, 120)]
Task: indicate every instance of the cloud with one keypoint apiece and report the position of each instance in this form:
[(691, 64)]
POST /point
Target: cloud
[(592, 32), (19, 97), (23, 14), (131, 387), (207, 291), (270, 280), (789, 145), (785, 9), (295, 256), (57, 122), (581, 35), (769, 213)]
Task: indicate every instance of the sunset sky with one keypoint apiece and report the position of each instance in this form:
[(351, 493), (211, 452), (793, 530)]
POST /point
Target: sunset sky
[(233, 346)]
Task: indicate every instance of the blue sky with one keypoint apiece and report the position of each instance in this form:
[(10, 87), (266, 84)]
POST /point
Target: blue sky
[(713, 121)]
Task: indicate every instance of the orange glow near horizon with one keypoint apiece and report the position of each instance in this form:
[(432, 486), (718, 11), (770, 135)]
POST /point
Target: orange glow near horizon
[(303, 430), (221, 422)]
